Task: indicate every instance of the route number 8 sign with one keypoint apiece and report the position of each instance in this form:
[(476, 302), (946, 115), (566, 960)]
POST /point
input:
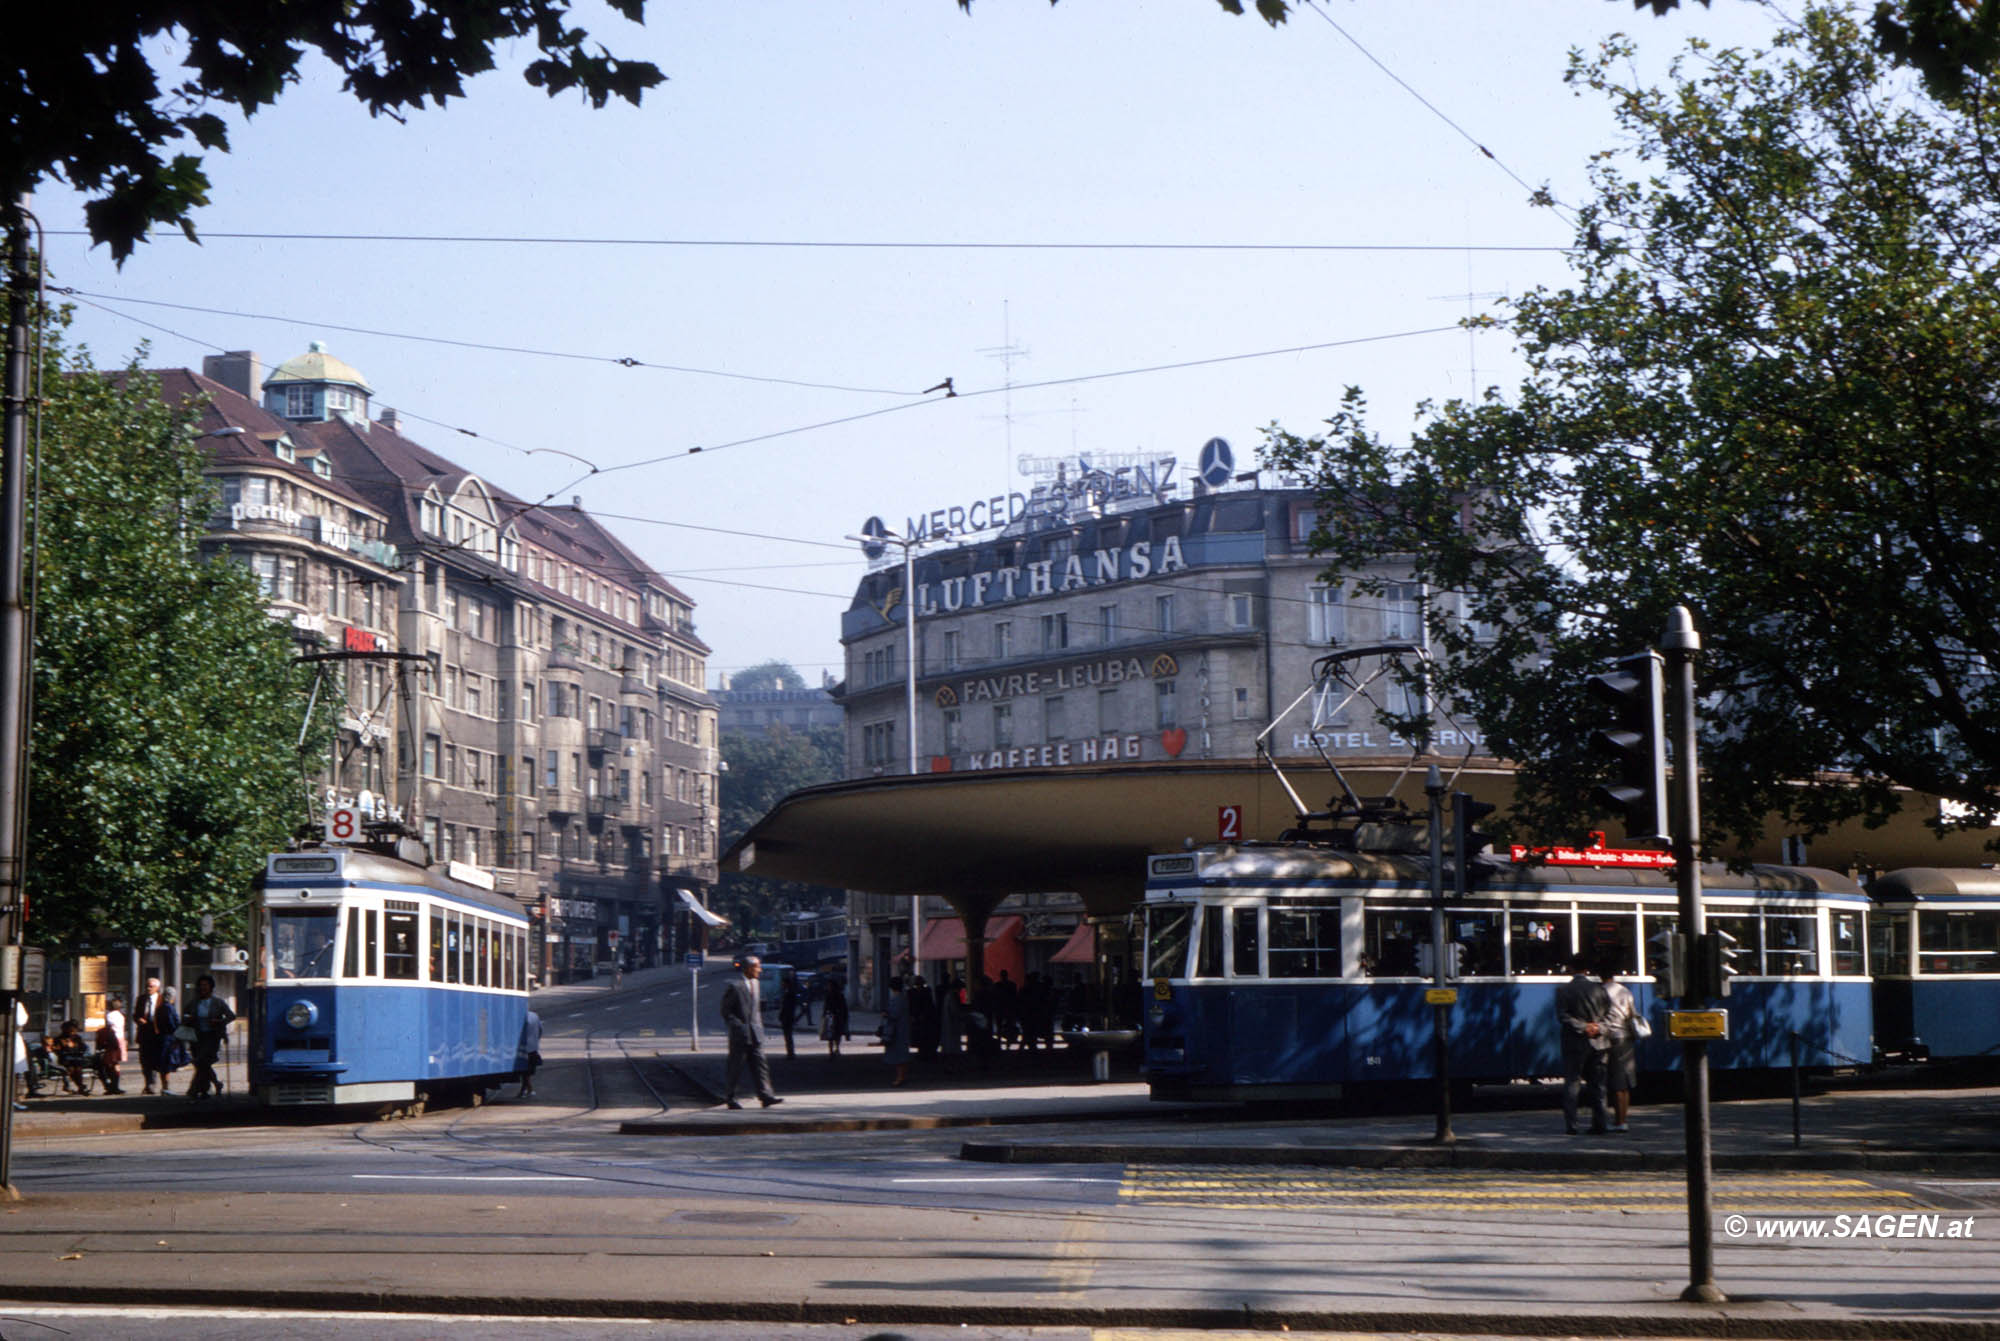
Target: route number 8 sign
[(343, 825)]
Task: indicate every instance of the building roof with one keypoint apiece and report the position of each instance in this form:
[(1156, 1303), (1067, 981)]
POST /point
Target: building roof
[(316, 365)]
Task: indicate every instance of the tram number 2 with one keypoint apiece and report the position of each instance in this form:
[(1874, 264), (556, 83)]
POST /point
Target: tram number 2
[(1229, 824)]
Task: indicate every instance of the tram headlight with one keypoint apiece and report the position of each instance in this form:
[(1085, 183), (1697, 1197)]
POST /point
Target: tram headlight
[(301, 1014)]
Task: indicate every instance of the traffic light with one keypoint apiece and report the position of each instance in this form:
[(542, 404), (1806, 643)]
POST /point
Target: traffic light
[(1718, 961), (1638, 741), (1467, 842)]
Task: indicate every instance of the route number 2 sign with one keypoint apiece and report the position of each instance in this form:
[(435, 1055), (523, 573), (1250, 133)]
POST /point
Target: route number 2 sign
[(1229, 824)]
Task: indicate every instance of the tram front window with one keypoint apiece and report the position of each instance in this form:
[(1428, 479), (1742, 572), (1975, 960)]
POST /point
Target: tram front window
[(1167, 930), (302, 942)]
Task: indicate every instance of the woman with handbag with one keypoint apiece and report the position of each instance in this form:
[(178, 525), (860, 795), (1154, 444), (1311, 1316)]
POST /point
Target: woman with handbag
[(1621, 1063)]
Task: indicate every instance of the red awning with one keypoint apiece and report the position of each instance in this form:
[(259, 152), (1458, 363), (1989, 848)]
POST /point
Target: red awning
[(1080, 948), (944, 937)]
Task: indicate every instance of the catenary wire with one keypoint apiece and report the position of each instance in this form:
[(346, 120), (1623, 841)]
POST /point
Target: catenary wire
[(827, 244)]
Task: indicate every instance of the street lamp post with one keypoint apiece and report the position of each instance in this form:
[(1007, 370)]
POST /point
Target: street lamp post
[(875, 540)]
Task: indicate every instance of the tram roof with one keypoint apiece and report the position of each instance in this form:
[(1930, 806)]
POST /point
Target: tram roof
[(1936, 884), (359, 864)]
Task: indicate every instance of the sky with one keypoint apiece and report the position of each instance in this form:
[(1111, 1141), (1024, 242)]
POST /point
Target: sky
[(1085, 215)]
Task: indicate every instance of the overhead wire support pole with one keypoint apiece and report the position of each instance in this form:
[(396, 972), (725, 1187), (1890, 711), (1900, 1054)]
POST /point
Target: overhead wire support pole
[(1440, 1012), (1681, 646), (15, 658)]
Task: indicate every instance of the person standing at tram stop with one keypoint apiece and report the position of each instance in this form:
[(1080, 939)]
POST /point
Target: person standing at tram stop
[(1581, 1008), (788, 1010), (210, 1015), (742, 1016), (1621, 1059), (154, 1020)]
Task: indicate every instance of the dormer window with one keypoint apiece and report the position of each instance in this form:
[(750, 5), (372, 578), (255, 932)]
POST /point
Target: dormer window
[(322, 467), (299, 402), (286, 452), (430, 516)]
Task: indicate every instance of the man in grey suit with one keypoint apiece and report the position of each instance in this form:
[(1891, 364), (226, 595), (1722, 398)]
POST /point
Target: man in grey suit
[(743, 1016)]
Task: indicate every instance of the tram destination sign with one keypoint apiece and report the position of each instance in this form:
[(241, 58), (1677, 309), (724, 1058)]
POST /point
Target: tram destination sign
[(1631, 858)]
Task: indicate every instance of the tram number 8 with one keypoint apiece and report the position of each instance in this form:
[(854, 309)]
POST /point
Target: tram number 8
[(343, 825)]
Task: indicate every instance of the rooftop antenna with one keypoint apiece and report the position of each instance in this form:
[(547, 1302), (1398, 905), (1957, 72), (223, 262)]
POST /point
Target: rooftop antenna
[(1007, 352)]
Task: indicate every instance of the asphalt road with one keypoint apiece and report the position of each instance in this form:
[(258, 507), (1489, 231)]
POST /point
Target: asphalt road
[(542, 1207)]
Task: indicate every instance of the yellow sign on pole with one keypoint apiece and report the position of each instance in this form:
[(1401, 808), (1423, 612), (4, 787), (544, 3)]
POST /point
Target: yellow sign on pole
[(1162, 990), (1686, 1024), (1441, 996)]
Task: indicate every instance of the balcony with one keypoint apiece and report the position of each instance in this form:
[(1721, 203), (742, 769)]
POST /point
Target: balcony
[(566, 656), (603, 740)]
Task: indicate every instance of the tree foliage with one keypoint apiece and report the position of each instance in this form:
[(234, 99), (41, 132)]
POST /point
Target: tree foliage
[(166, 703), (768, 675), (764, 768), (86, 100), (1769, 395)]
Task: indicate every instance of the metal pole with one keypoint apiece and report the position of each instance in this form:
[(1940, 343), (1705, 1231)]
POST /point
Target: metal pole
[(1440, 1042), (910, 705), (694, 1009), (1681, 646), (14, 662)]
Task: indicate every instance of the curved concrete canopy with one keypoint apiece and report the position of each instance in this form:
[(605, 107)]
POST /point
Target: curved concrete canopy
[(977, 837)]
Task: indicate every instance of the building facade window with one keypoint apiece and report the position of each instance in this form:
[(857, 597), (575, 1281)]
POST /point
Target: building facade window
[(1108, 722), (431, 743), (878, 744), (1166, 713), (1326, 616), (1003, 640), (954, 731), (1402, 612), (1003, 725), (1242, 610), (1163, 615), (1055, 632), (951, 649), (1107, 624), (1055, 718)]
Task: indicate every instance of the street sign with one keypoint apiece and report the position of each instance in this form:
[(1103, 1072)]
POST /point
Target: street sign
[(1441, 996), (1229, 823), (695, 958), (1698, 1024)]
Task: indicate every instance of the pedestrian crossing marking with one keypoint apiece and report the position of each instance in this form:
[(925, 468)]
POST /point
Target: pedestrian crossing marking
[(1471, 1190)]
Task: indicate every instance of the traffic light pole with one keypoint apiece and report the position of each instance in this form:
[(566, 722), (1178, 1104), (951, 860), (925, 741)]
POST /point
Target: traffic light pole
[(1681, 646)]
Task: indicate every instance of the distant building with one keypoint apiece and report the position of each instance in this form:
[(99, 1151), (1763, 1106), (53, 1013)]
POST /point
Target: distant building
[(761, 709)]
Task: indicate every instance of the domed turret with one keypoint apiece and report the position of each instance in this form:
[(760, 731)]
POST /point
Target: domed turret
[(317, 386)]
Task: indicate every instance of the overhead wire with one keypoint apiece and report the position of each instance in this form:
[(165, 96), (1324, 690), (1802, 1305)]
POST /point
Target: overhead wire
[(829, 244)]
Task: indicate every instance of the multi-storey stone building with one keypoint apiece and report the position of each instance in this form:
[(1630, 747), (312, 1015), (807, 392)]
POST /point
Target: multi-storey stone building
[(1149, 631), (557, 732)]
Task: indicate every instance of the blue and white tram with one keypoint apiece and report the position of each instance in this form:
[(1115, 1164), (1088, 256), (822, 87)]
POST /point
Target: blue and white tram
[(1935, 940), (1292, 971), (383, 982)]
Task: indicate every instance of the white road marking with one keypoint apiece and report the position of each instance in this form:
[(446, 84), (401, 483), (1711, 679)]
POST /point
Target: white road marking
[(474, 1177), (1958, 1182), (1032, 1178)]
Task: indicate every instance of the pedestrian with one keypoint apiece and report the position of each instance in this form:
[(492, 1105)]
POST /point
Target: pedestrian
[(155, 1020), (788, 1010), (808, 996), (742, 1016), (111, 1045), (210, 1015), (1581, 1005), (896, 1030), (951, 1017), (1007, 1009), (67, 1050), (1621, 1062), (21, 1078), (923, 1018), (833, 1019), (529, 1054)]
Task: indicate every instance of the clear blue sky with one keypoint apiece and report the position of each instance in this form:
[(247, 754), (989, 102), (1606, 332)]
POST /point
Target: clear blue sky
[(790, 121)]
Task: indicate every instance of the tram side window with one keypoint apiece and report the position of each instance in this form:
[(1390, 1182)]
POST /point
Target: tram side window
[(452, 931), (1245, 944), (1610, 940), (371, 963), (399, 949), (468, 962), (1305, 942), (1848, 941), (484, 980), (302, 943), (1208, 956), (1392, 938), (1479, 940), (493, 956), (1539, 943), (507, 960), (1749, 944), (1950, 941), (1660, 929), (437, 947), (1167, 930), (351, 966), (1889, 944), (1791, 945)]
